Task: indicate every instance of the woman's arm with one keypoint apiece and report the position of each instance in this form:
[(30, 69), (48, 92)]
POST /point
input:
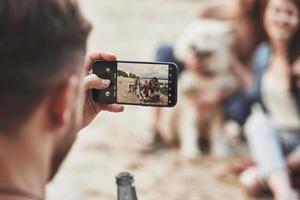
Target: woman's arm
[(220, 10), (243, 73)]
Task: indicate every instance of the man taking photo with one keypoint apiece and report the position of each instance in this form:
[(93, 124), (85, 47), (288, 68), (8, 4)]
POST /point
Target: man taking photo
[(45, 91)]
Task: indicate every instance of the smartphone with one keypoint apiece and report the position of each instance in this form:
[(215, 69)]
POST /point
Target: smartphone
[(137, 83)]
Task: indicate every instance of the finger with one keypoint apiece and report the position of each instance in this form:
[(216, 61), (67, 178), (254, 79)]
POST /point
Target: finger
[(94, 82), (112, 108), (100, 55)]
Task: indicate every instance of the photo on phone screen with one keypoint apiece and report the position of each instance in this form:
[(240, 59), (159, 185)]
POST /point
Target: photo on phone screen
[(139, 83)]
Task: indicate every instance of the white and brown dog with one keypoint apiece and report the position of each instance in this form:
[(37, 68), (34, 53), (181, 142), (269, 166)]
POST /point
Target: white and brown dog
[(189, 122)]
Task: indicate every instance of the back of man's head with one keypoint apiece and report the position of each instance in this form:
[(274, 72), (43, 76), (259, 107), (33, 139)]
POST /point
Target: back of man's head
[(38, 41)]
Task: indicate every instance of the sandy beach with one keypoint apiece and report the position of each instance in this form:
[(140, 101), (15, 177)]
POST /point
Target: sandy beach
[(128, 97)]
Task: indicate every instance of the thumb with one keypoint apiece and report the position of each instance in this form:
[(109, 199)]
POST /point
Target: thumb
[(94, 82)]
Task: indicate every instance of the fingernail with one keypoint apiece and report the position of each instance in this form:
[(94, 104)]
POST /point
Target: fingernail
[(105, 83)]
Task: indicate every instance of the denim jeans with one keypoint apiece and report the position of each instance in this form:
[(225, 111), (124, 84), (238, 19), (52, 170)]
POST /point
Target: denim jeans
[(269, 145), (238, 107)]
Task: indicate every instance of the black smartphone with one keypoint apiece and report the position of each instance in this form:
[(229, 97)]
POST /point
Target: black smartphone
[(137, 83)]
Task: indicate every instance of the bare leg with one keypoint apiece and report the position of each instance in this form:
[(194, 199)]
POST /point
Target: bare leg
[(266, 149), (250, 177), (157, 112), (188, 133), (219, 142), (280, 184), (293, 161), (140, 95)]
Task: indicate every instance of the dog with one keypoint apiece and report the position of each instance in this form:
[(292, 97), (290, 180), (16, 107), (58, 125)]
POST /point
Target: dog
[(188, 123)]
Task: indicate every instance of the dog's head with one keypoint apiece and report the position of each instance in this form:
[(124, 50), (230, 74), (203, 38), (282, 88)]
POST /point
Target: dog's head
[(209, 41)]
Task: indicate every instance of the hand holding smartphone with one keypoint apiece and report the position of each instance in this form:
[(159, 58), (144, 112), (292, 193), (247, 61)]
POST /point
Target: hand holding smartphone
[(137, 83)]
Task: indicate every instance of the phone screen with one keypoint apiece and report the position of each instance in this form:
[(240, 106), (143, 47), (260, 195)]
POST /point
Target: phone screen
[(143, 83)]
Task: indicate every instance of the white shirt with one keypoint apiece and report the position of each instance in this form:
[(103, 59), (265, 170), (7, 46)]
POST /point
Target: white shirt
[(280, 102)]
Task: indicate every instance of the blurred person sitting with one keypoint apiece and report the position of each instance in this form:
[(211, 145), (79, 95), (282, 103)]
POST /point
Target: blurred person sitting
[(137, 86), (45, 91), (245, 18), (274, 133), (154, 90), (145, 91), (204, 47)]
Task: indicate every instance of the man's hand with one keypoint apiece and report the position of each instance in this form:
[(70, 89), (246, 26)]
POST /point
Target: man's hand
[(92, 81)]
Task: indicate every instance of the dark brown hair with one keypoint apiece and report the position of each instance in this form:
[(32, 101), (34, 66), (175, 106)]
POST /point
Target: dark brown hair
[(38, 39), (257, 15), (294, 48)]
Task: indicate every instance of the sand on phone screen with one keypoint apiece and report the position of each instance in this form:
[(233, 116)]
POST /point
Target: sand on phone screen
[(145, 84)]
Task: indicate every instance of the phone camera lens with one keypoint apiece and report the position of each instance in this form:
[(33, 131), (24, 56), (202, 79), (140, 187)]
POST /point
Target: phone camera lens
[(107, 69), (107, 94)]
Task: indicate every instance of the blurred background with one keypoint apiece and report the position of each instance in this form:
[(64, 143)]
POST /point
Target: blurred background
[(133, 30)]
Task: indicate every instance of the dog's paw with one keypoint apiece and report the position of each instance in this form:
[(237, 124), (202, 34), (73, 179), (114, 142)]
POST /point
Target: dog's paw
[(220, 151), (233, 132), (190, 154)]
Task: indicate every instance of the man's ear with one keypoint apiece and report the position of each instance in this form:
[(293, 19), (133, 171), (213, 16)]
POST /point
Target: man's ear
[(61, 102)]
